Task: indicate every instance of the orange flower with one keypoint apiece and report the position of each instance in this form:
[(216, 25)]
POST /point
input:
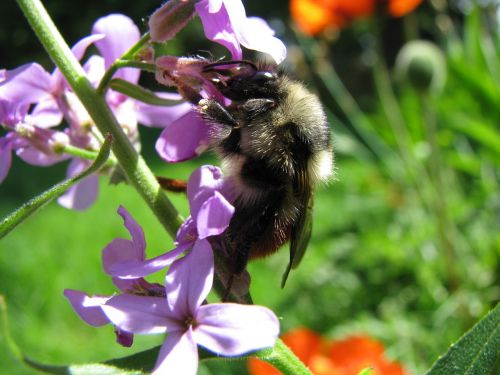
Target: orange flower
[(355, 353), (398, 8), (314, 16), (342, 357)]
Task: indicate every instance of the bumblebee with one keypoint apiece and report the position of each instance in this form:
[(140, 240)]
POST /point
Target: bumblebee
[(275, 145)]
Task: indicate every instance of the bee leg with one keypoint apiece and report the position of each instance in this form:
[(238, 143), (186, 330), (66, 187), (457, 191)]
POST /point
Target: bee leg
[(229, 285), (213, 111)]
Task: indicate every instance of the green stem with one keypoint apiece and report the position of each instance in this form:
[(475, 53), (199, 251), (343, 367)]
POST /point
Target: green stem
[(85, 154), (414, 171), (29, 208), (445, 225), (138, 173), (127, 60), (281, 357)]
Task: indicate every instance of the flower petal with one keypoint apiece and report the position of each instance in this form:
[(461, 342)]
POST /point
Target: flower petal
[(136, 233), (26, 84), (78, 50), (256, 34), (81, 195), (131, 269), (117, 252), (34, 156), (218, 27), (94, 67), (214, 216), (183, 139), (12, 113), (178, 355), (5, 157), (81, 46), (121, 34), (234, 329), (202, 184), (186, 234), (139, 314), (189, 280), (158, 116), (46, 113), (88, 308)]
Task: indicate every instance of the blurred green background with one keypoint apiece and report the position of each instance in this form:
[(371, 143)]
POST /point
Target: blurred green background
[(406, 240)]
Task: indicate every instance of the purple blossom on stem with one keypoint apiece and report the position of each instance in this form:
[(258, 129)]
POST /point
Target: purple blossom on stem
[(224, 22), (119, 252), (224, 328), (211, 213)]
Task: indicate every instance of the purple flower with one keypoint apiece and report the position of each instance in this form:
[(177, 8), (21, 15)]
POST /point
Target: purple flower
[(183, 139), (211, 213), (226, 23), (118, 253), (224, 328)]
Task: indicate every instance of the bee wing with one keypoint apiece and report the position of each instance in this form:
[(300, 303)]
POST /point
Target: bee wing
[(301, 231)]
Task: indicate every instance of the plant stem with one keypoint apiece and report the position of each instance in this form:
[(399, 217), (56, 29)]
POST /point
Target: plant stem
[(85, 154), (281, 357), (138, 173), (445, 225)]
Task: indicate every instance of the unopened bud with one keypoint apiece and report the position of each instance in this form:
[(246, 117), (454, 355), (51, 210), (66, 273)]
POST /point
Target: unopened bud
[(423, 65), (170, 18)]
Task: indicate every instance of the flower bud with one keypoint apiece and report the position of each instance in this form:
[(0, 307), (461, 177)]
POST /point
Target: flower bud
[(421, 64), (169, 19)]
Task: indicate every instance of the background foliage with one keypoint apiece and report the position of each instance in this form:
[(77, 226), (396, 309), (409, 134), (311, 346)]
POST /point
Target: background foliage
[(406, 241)]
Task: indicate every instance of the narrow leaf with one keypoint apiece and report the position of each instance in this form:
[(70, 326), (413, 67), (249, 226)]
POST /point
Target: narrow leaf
[(5, 335), (140, 93), (94, 369), (476, 352), (30, 207)]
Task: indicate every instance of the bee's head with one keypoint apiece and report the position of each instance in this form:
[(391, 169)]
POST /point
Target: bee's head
[(242, 80)]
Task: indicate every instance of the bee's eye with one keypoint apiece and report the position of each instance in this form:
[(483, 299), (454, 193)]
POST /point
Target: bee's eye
[(264, 76)]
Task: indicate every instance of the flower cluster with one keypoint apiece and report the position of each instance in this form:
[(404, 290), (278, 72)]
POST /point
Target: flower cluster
[(348, 356), (179, 307), (35, 103), (314, 16)]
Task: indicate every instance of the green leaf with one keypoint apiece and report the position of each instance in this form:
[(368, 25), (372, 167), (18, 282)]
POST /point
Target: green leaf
[(476, 129), (140, 93), (94, 369), (366, 371), (139, 363), (476, 352), (6, 339), (29, 208), (143, 362)]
